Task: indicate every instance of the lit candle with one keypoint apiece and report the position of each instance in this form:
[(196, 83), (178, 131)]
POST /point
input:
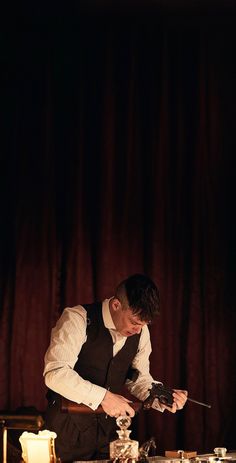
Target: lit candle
[(38, 448)]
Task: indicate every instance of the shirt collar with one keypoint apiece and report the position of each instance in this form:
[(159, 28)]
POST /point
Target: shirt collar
[(107, 318)]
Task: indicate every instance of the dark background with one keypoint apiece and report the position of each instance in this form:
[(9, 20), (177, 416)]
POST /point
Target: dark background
[(118, 156)]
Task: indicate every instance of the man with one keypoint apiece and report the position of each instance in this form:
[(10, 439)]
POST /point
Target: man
[(95, 349)]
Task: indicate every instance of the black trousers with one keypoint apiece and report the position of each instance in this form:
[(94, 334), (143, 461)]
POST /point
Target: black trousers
[(80, 437)]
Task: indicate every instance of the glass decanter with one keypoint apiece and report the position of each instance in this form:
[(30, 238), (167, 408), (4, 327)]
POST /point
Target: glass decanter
[(124, 448)]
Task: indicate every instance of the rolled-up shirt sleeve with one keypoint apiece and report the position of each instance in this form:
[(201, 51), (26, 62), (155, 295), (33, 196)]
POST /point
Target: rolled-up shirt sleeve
[(140, 388), (67, 339)]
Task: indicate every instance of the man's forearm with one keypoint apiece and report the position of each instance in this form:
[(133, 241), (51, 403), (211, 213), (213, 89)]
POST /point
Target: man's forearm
[(69, 384)]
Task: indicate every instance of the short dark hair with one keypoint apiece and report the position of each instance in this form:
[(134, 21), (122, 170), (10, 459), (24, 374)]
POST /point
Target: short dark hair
[(141, 295)]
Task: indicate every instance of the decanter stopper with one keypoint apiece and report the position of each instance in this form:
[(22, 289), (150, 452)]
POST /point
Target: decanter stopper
[(124, 448)]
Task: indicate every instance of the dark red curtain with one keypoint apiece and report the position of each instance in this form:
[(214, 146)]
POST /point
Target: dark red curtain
[(118, 156)]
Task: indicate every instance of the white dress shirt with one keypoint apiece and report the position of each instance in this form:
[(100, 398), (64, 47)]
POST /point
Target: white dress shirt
[(67, 339)]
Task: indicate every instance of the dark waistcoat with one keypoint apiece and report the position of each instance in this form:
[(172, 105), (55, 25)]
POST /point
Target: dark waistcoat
[(96, 362)]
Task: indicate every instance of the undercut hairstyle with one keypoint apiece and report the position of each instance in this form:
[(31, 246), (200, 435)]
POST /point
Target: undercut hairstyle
[(139, 293)]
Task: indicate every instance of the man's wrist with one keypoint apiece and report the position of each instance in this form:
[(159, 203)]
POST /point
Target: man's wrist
[(95, 397)]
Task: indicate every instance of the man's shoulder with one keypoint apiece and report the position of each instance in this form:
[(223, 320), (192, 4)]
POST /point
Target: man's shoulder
[(82, 309), (75, 310), (145, 334)]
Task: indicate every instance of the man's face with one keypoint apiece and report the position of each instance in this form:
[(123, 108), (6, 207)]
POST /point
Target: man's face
[(125, 321)]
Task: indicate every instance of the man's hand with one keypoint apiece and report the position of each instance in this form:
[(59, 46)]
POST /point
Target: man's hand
[(116, 405), (180, 398)]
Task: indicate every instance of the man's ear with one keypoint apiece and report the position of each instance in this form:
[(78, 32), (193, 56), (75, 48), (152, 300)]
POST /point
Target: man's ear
[(116, 305)]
